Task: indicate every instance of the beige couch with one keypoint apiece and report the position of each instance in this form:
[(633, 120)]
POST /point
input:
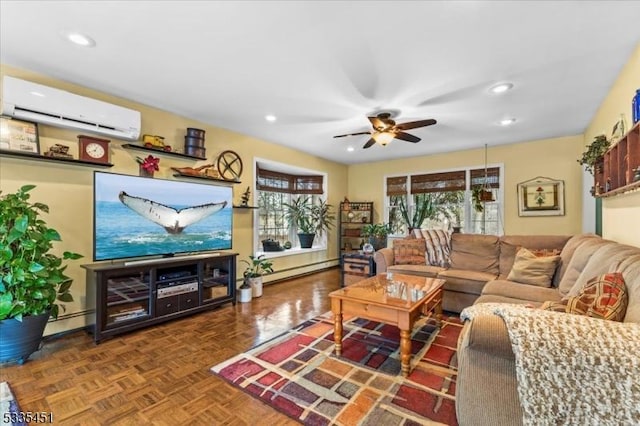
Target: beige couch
[(486, 388), (475, 261)]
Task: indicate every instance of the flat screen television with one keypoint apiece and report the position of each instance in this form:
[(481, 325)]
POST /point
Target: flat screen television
[(138, 216)]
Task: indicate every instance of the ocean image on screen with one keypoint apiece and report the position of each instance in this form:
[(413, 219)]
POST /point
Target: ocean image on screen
[(131, 213)]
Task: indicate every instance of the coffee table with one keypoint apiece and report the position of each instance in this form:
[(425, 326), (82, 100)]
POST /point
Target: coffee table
[(398, 301)]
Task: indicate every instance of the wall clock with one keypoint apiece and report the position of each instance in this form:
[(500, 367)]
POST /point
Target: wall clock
[(94, 149)]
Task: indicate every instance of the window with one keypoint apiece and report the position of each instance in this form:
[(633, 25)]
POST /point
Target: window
[(444, 200), (276, 185)]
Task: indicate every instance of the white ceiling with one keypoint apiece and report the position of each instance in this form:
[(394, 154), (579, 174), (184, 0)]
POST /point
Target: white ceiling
[(322, 67)]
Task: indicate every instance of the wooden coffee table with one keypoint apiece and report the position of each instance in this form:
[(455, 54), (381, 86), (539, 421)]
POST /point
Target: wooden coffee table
[(398, 302)]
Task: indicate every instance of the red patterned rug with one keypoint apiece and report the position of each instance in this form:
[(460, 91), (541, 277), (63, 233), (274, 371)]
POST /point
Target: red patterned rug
[(298, 373)]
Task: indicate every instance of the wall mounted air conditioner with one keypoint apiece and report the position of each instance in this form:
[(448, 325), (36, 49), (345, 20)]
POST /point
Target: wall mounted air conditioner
[(55, 107)]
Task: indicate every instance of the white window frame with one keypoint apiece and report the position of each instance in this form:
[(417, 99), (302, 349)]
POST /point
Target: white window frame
[(467, 194), (319, 243)]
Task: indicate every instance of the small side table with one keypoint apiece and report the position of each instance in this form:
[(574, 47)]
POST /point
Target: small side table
[(356, 267)]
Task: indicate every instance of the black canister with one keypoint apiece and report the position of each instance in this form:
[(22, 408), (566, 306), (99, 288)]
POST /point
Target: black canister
[(196, 133), (194, 142)]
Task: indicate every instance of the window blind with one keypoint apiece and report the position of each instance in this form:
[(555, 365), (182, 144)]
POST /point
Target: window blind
[(438, 182)]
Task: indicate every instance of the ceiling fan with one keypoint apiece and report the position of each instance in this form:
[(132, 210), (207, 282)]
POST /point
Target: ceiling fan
[(385, 129)]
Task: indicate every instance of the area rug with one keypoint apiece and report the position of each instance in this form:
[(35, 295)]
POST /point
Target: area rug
[(9, 409), (298, 373)]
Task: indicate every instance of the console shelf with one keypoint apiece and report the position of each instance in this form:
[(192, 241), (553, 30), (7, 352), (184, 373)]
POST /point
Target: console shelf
[(162, 152), (38, 157), (129, 297), (181, 175)]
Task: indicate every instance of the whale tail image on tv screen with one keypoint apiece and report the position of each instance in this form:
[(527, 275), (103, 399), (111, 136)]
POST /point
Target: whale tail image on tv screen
[(138, 216)]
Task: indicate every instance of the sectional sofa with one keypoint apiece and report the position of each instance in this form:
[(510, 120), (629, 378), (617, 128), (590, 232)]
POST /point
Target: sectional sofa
[(475, 261), (487, 390)]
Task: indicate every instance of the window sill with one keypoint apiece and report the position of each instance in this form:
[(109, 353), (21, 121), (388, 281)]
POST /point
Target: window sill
[(290, 252)]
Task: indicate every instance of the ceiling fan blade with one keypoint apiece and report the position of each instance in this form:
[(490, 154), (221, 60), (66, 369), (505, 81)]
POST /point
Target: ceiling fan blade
[(407, 137), (369, 143), (416, 124), (353, 134)]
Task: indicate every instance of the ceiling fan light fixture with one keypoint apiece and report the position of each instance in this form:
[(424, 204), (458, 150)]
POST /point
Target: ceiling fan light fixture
[(500, 88), (383, 138)]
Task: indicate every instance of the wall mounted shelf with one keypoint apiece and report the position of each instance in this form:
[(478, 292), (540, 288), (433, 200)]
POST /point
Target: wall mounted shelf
[(38, 157), (245, 207), (162, 152), (616, 174)]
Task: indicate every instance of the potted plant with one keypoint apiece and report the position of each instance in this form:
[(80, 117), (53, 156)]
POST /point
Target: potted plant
[(32, 278), (593, 157), (309, 218), (257, 266), (377, 234)]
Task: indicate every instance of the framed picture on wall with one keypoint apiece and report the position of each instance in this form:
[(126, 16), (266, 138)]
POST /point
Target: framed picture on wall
[(541, 196), (19, 135)]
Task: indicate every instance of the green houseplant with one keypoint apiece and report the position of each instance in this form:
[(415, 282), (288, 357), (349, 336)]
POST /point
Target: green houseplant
[(309, 218), (377, 234), (257, 266), (32, 278), (594, 153)]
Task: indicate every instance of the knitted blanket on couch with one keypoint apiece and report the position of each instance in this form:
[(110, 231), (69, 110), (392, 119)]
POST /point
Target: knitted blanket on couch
[(571, 369)]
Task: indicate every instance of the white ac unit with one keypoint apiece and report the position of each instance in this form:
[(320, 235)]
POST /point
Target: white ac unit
[(42, 104)]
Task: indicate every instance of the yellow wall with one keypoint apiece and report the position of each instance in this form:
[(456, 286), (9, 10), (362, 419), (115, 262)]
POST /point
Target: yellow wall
[(620, 214), (68, 189), (553, 158)]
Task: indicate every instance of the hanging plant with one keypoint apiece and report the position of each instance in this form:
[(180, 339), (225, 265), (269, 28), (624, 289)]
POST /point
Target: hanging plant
[(594, 153)]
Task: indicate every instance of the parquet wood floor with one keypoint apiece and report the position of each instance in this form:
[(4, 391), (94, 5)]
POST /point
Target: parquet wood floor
[(160, 375)]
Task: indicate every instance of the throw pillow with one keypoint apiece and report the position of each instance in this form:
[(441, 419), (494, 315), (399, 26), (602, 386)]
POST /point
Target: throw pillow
[(554, 306), (603, 297), (438, 246), (409, 252), (530, 269)]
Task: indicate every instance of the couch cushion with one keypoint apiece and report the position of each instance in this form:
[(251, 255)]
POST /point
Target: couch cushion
[(630, 269), (578, 261), (601, 262), (567, 253), (409, 252), (603, 297), (493, 298), (510, 244), (420, 270), (521, 292), (475, 253), (531, 269), (464, 281), (438, 245)]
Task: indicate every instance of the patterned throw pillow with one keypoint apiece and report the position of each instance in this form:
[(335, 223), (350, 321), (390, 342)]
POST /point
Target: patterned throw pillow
[(533, 270), (545, 252), (409, 252), (438, 246), (603, 297)]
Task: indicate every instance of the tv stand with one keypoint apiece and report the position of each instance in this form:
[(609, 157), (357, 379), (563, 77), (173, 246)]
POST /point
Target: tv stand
[(131, 295)]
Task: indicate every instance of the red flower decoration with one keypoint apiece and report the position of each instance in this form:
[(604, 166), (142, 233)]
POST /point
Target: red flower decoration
[(150, 164)]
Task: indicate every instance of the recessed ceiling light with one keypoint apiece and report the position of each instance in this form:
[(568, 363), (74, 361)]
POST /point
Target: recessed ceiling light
[(501, 88), (270, 118), (79, 38), (350, 149), (507, 121)]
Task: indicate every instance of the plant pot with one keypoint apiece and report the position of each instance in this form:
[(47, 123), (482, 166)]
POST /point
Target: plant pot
[(378, 242), (19, 339), (244, 294), (256, 286), (306, 240), (144, 172)]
